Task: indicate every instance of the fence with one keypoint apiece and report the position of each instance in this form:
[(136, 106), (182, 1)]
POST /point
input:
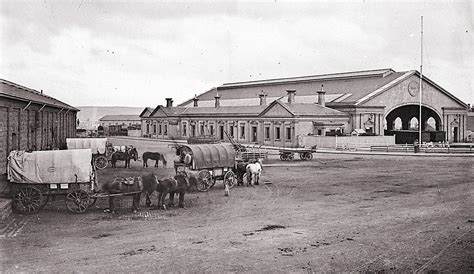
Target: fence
[(348, 142)]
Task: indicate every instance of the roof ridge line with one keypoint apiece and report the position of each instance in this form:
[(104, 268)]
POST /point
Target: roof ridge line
[(334, 75)]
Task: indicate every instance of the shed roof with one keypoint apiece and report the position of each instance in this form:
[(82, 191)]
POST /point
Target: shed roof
[(19, 92)]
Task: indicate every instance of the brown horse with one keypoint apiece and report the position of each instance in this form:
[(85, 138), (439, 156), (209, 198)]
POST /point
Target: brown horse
[(131, 153), (153, 156), (178, 184), (133, 186)]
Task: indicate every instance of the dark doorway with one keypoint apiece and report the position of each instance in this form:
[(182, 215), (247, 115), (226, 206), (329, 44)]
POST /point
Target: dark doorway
[(403, 122)]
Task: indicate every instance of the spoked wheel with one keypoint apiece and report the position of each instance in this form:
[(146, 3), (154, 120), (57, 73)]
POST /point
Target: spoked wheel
[(230, 179), (309, 156), (205, 180), (28, 200), (283, 157), (303, 156), (290, 157), (78, 201), (101, 162)]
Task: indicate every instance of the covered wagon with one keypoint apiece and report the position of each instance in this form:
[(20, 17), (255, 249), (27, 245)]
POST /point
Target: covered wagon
[(211, 162)]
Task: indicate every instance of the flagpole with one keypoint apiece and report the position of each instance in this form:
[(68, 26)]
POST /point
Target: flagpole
[(421, 80)]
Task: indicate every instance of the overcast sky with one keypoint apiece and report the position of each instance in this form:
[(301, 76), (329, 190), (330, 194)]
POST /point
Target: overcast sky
[(117, 53)]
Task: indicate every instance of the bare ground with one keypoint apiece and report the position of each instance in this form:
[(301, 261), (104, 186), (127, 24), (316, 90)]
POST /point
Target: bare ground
[(334, 213)]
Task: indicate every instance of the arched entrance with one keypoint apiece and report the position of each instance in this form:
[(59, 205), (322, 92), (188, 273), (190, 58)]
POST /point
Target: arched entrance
[(408, 116)]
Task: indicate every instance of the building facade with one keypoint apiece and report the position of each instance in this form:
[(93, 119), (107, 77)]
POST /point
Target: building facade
[(377, 102), (119, 124), (31, 120)]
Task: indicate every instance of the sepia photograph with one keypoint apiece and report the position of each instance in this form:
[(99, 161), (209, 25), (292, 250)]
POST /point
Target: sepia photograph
[(236, 136)]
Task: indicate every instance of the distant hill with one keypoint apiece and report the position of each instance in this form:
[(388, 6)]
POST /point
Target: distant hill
[(89, 115)]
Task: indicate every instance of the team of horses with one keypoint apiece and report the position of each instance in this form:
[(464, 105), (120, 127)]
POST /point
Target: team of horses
[(179, 184)]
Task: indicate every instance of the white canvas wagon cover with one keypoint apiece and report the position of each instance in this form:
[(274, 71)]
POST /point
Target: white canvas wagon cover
[(212, 155), (50, 167), (97, 145)]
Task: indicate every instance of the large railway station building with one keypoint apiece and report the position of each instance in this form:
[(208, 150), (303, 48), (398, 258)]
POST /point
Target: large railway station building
[(279, 111)]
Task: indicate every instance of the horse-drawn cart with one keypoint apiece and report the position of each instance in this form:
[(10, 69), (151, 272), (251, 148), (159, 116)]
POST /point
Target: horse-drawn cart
[(38, 175), (100, 152), (210, 162), (288, 154)]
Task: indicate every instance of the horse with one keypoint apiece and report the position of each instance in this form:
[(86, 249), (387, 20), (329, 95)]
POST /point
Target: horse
[(240, 169), (253, 172), (134, 186), (153, 156), (131, 153), (179, 184)]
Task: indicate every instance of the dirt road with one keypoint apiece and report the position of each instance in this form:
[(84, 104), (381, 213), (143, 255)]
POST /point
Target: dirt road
[(334, 213)]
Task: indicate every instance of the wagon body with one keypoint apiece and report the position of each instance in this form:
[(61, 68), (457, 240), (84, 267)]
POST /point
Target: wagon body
[(287, 154), (210, 162), (38, 175), (98, 147)]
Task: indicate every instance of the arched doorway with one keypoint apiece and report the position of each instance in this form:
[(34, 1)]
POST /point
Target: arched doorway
[(408, 117)]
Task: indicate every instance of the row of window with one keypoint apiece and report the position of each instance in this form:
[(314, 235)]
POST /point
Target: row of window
[(242, 127), (161, 130)]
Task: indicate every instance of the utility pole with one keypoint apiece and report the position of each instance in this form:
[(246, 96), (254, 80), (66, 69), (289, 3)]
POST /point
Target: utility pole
[(421, 81)]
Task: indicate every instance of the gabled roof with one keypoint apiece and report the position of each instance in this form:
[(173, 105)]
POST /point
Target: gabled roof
[(18, 92), (403, 77), (347, 88), (326, 77), (305, 109), (120, 118), (145, 110), (169, 111), (341, 88)]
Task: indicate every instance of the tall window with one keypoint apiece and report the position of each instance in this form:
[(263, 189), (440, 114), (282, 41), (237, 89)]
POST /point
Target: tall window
[(202, 129), (277, 133), (193, 130), (231, 131), (211, 129), (166, 130), (147, 128), (185, 128), (288, 133), (242, 131), (267, 133), (159, 130), (154, 128), (221, 132)]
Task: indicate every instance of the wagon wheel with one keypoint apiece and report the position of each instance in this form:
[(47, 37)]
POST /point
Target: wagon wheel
[(205, 180), (92, 201), (283, 157), (309, 156), (28, 200), (78, 201), (101, 162), (230, 179), (303, 156), (290, 157)]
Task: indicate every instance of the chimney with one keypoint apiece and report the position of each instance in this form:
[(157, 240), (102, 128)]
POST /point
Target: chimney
[(169, 102), (195, 100), (263, 98), (291, 95), (217, 97), (322, 97)]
